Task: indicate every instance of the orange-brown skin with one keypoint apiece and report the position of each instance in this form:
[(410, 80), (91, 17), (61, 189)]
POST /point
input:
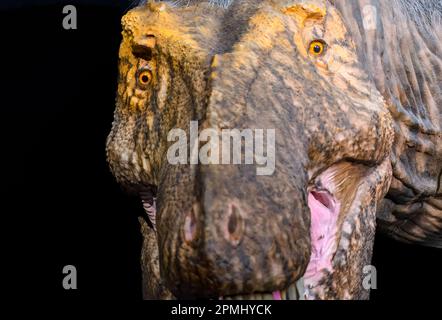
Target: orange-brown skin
[(250, 66)]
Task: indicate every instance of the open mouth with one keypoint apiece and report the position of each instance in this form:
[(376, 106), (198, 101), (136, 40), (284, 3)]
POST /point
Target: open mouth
[(324, 210), (334, 199), (295, 291)]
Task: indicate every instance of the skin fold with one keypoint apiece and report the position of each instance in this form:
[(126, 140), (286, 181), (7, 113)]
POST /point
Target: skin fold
[(358, 142)]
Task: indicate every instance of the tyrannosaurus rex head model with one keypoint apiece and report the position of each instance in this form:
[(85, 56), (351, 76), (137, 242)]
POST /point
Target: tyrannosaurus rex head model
[(334, 108)]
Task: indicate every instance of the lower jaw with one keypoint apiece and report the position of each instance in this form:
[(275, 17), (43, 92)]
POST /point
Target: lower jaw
[(295, 291)]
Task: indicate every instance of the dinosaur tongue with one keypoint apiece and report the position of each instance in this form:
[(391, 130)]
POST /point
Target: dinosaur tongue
[(276, 295)]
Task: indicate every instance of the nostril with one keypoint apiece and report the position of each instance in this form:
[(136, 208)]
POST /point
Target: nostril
[(190, 226), (235, 225)]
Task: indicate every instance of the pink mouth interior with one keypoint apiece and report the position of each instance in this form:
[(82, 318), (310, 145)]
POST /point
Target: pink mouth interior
[(324, 211), (276, 295)]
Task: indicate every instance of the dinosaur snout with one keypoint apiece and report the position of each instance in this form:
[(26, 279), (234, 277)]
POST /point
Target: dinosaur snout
[(222, 244)]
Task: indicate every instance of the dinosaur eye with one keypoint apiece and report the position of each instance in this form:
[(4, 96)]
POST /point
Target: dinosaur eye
[(144, 78), (317, 48)]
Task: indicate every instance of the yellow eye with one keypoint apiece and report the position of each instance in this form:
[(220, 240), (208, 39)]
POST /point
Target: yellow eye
[(317, 48), (144, 78)]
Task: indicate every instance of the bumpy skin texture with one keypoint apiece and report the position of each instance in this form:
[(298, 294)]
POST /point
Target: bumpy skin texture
[(345, 112), (405, 60)]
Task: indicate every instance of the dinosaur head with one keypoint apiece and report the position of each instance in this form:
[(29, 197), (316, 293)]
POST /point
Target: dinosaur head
[(297, 218)]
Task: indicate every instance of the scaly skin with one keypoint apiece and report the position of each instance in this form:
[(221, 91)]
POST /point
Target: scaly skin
[(406, 63), (338, 126)]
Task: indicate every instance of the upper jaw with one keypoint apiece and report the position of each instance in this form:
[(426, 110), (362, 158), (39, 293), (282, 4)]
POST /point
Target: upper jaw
[(332, 250)]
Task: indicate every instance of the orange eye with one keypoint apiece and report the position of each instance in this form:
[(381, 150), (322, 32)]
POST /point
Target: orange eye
[(144, 77), (317, 48)]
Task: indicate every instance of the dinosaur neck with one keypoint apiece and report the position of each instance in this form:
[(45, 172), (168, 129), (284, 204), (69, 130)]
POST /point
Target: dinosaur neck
[(402, 51), (403, 58)]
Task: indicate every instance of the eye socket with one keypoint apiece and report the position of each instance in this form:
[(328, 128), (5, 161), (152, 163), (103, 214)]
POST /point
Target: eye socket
[(144, 78), (317, 48)]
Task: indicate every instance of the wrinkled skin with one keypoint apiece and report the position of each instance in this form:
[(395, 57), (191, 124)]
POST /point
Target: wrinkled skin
[(250, 66)]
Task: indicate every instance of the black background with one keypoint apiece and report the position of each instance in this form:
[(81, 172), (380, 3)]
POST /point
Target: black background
[(61, 205)]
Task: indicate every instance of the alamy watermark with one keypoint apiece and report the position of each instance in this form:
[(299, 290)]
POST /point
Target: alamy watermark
[(370, 281), (369, 17), (224, 147), (70, 18), (70, 278)]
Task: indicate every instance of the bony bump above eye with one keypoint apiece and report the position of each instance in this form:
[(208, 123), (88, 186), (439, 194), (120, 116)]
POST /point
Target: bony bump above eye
[(317, 48), (144, 78)]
